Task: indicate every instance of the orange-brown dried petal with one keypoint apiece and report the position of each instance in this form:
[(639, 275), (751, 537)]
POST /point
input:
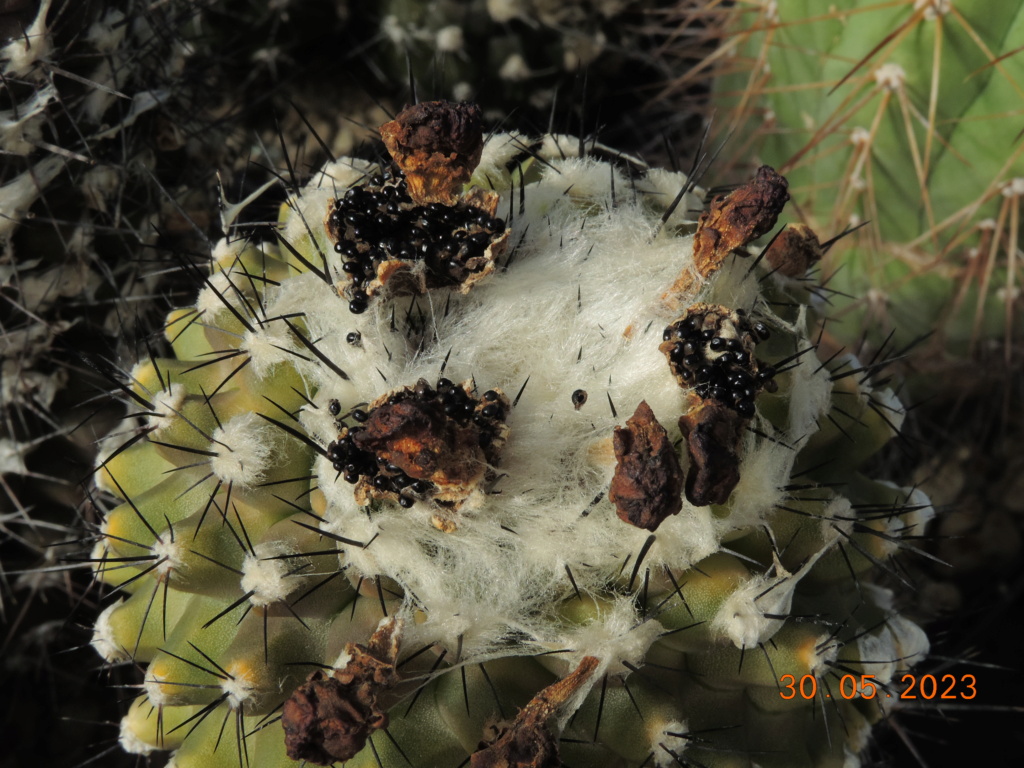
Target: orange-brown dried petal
[(794, 251), (437, 145)]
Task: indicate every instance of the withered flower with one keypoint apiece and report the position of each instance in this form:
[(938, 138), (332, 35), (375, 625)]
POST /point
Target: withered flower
[(437, 144), (713, 434), (733, 221), (794, 251), (527, 742), (329, 717), (647, 486)]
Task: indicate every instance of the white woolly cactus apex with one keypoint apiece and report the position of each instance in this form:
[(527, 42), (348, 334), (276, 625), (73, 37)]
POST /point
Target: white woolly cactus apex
[(495, 456)]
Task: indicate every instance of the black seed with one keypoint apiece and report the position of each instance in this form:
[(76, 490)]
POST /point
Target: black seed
[(382, 483), (667, 334), (444, 384), (492, 411), (354, 338), (357, 307), (360, 415), (716, 343), (360, 296), (405, 501), (579, 397), (420, 486), (351, 267), (707, 335), (745, 408), (689, 348), (703, 373), (334, 407), (339, 246), (766, 374), (496, 225), (740, 358), (762, 330), (692, 361)]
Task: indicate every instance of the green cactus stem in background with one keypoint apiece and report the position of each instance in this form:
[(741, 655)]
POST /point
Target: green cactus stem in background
[(530, 470), (904, 117)]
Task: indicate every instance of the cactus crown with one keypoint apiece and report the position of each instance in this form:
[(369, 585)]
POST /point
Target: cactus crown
[(388, 492)]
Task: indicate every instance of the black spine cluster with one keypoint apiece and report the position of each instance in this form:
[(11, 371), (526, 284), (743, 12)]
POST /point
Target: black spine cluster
[(378, 222), (719, 368)]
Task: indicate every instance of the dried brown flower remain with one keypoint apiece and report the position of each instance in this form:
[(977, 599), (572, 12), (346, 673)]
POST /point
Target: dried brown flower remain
[(647, 486), (527, 742), (329, 717), (437, 144), (733, 221), (713, 434), (794, 251)]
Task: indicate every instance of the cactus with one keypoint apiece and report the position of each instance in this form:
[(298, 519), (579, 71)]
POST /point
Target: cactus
[(903, 118), (494, 454), (531, 61)]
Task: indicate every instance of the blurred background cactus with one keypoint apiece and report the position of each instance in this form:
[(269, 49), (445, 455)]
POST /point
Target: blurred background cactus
[(904, 118)]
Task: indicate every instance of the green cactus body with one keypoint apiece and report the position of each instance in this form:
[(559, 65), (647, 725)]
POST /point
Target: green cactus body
[(904, 117), (246, 559)]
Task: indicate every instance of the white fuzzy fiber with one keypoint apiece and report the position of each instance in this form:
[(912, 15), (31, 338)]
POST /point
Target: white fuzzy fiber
[(580, 307)]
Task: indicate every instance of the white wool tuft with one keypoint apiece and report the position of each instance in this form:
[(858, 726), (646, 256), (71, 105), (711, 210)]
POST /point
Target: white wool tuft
[(168, 553), (239, 686), (166, 405), (103, 640), (154, 686), (269, 580), (266, 347), (617, 636), (243, 447), (215, 293), (748, 615), (129, 740), (667, 744)]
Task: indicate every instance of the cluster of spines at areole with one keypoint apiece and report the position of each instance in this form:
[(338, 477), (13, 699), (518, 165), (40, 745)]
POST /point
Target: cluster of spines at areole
[(268, 636)]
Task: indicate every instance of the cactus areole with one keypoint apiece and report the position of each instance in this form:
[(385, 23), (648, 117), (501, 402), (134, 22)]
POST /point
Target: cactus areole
[(386, 505)]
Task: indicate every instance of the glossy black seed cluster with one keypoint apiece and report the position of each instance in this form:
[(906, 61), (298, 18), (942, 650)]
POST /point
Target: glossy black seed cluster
[(378, 222), (719, 367), (486, 413)]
